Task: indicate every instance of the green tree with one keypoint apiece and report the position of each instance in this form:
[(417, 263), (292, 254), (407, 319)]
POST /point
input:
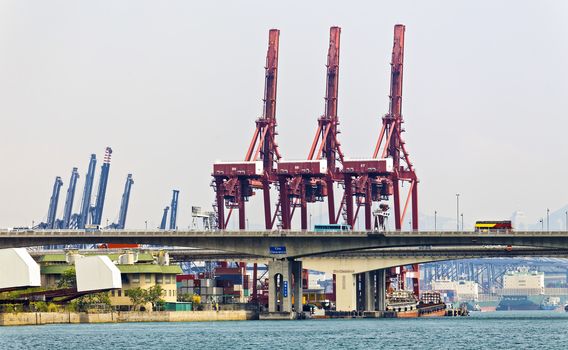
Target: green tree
[(68, 279), (138, 297), (99, 301), (154, 296)]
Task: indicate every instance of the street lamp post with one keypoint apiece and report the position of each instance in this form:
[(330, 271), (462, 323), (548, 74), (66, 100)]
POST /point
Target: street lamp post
[(458, 211), (566, 221), (462, 220), (547, 219), (146, 224), (435, 219), (542, 224)]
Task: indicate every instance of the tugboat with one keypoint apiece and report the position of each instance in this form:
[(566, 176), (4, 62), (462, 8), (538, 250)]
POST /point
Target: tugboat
[(550, 303)]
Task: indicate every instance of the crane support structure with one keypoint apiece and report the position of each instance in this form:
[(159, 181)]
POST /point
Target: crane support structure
[(235, 182), (97, 210), (68, 209), (173, 212), (86, 200)]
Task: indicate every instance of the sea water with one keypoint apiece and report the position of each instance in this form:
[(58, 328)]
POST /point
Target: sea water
[(493, 330)]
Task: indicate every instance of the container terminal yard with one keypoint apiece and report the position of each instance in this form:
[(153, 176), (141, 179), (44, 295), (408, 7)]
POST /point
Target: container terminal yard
[(292, 269)]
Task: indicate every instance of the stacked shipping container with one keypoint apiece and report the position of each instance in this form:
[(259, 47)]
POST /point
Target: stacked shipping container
[(228, 285)]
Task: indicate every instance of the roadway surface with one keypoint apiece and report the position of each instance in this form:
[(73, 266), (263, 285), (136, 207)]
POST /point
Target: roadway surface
[(286, 244)]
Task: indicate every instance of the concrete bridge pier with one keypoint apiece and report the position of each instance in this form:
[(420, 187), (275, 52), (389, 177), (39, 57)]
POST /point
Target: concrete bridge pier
[(381, 290), (284, 289), (371, 290)]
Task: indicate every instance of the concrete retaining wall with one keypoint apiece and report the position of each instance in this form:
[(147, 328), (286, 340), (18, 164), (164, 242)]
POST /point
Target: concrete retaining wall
[(38, 318)]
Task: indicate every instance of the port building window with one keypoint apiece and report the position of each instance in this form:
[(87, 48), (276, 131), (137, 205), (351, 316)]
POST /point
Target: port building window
[(158, 279), (135, 278), (148, 278)]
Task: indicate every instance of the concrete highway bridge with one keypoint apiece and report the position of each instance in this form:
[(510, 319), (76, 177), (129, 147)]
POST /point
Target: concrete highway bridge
[(358, 259), (285, 244)]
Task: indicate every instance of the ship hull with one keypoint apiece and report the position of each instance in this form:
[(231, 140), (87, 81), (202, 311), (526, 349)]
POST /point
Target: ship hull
[(407, 314)]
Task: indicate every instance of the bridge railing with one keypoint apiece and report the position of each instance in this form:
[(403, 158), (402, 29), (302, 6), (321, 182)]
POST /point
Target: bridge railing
[(275, 233)]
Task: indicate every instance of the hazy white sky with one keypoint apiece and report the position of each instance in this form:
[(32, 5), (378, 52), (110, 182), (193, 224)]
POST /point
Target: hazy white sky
[(174, 85)]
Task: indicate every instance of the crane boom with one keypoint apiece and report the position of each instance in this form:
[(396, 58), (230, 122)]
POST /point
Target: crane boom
[(125, 201), (100, 202), (123, 205), (86, 200), (173, 213), (164, 218), (52, 211), (68, 209)]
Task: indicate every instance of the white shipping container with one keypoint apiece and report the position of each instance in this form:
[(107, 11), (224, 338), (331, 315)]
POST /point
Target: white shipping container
[(207, 282)]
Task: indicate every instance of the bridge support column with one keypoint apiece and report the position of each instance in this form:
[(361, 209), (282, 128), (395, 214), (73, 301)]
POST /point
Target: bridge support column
[(284, 288), (345, 292), (380, 289), (369, 291)]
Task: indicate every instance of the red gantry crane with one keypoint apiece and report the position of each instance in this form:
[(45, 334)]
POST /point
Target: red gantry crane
[(235, 182), (380, 177), (309, 181)]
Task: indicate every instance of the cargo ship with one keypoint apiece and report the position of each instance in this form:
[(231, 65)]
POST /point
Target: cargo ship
[(404, 304), (431, 305), (517, 302)]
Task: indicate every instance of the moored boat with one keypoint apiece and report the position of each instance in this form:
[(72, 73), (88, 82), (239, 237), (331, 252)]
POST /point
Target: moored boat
[(431, 305), (402, 304)]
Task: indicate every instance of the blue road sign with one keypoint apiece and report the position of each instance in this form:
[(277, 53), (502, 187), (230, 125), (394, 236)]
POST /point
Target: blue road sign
[(278, 250)]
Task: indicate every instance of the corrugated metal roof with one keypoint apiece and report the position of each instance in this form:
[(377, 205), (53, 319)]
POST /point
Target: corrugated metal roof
[(137, 268), (60, 258)]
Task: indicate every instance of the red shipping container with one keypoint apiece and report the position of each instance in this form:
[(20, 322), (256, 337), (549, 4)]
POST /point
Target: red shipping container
[(225, 284), (197, 283), (180, 278), (227, 271)]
